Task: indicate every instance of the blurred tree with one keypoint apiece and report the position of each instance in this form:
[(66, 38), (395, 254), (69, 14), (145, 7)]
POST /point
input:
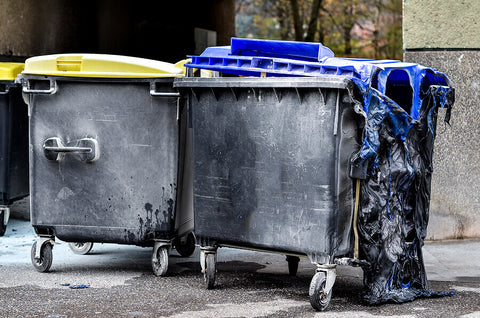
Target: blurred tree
[(345, 15), (299, 22), (364, 28)]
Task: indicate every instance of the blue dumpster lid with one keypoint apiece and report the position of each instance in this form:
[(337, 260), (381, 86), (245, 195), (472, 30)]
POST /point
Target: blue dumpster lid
[(306, 51), (266, 58)]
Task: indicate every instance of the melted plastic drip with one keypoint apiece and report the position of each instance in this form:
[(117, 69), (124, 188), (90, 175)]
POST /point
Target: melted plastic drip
[(397, 158)]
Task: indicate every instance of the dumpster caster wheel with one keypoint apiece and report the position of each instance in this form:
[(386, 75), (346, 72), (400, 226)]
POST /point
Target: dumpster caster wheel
[(43, 263), (3, 226), (187, 247), (210, 270), (80, 248), (4, 216), (292, 264), (160, 261), (319, 299)]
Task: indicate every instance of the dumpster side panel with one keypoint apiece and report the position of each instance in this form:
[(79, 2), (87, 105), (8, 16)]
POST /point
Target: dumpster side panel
[(349, 136), (184, 222), (18, 181), (126, 196), (265, 169), (13, 145), (4, 146)]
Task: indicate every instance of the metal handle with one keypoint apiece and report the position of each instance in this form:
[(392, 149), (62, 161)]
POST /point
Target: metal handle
[(87, 148), (154, 92), (52, 90), (68, 149), (161, 94), (5, 89)]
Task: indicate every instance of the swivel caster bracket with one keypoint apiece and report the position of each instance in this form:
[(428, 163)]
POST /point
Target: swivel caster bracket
[(41, 240), (330, 271)]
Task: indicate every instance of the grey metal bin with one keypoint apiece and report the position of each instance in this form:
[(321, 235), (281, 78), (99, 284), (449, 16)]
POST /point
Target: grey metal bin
[(13, 141), (106, 154), (271, 169)]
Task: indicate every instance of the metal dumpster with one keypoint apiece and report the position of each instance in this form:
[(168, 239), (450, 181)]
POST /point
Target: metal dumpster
[(271, 168), (13, 141), (106, 154), (312, 155)]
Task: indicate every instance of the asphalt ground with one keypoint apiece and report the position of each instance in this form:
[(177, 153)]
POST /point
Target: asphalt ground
[(248, 284)]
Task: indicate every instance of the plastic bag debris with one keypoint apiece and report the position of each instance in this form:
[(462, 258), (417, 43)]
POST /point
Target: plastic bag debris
[(81, 286), (400, 103)]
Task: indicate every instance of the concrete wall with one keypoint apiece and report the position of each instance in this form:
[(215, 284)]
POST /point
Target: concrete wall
[(440, 24), (446, 35), (40, 27), (162, 30)]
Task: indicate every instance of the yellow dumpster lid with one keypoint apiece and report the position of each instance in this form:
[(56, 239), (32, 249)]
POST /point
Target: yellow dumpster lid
[(9, 71), (101, 65)]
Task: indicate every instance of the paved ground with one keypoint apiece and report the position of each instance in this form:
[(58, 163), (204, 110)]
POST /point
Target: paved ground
[(249, 284)]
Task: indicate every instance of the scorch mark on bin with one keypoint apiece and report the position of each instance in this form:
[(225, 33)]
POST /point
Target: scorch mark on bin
[(129, 236), (158, 221)]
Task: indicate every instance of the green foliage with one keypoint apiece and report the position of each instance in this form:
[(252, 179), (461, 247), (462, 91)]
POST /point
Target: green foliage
[(360, 28)]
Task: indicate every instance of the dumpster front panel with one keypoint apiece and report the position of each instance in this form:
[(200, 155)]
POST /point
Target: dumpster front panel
[(128, 194), (13, 144), (266, 166)]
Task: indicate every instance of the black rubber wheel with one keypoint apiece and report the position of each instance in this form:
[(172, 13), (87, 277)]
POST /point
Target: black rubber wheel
[(3, 226), (210, 270), (318, 299), (187, 247), (160, 265), (80, 248), (293, 264), (42, 264)]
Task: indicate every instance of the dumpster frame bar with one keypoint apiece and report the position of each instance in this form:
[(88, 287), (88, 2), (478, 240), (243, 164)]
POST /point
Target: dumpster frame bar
[(269, 82)]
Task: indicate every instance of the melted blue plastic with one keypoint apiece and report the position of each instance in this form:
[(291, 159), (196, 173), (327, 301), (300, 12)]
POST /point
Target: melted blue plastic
[(397, 191), (252, 57)]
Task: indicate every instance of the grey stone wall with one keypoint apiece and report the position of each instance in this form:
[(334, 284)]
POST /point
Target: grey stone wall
[(455, 200), (431, 24), (445, 35)]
